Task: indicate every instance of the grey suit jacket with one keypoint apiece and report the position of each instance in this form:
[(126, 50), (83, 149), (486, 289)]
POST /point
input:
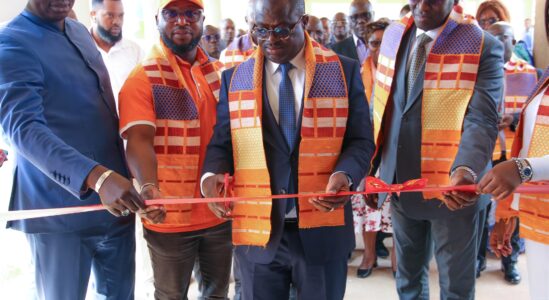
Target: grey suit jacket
[(401, 129)]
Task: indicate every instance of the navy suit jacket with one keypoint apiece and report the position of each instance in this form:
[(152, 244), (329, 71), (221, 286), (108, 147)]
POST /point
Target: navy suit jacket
[(58, 112), (400, 153), (320, 244)]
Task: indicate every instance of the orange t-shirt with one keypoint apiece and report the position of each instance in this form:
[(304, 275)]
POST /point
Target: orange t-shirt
[(137, 107)]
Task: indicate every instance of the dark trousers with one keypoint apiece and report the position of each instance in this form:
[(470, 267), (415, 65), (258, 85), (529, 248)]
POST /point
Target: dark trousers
[(455, 243), (173, 256), (515, 239), (63, 262), (272, 281)]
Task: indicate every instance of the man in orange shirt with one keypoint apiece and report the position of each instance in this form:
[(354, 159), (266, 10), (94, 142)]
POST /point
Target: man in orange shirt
[(167, 112)]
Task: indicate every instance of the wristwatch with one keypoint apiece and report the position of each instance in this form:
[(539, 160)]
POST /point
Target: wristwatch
[(524, 168)]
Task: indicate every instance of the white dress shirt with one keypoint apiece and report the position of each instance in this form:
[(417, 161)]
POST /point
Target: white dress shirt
[(120, 61), (433, 34)]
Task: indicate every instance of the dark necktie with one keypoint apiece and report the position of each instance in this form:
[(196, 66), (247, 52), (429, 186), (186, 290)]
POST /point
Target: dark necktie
[(287, 114), (417, 61)]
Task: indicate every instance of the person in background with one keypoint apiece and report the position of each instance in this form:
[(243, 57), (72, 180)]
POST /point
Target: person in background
[(241, 32), (167, 113), (368, 221), (211, 41), (361, 13), (530, 163), (520, 80), (58, 112), (490, 12), (119, 54), (339, 29), (327, 31), (528, 36), (404, 10), (431, 122), (241, 48), (277, 134), (315, 30), (228, 32)]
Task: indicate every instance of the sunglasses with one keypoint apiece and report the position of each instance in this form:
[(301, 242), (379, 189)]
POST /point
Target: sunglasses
[(487, 22), (190, 16), (212, 37), (365, 16), (279, 32), (430, 2), (375, 43)]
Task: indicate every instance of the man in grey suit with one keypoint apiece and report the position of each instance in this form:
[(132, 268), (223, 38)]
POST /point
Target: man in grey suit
[(447, 49)]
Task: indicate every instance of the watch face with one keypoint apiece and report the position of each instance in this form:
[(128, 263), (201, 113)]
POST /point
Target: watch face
[(527, 172)]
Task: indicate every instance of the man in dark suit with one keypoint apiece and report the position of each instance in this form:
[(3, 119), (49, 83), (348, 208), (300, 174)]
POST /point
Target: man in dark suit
[(302, 242), (361, 13), (59, 114), (441, 118)]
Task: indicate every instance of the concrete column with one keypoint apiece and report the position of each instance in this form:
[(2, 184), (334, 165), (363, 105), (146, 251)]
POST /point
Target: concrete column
[(541, 37)]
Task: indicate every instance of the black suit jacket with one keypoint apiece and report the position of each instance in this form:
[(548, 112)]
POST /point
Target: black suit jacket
[(347, 47)]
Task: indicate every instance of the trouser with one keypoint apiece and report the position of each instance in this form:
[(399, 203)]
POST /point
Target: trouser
[(63, 262), (272, 281), (455, 242), (173, 256)]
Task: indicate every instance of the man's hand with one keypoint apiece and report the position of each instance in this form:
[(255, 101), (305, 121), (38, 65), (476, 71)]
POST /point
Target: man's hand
[(154, 214), (117, 193), (338, 183), (455, 200), (505, 122), (500, 238), (501, 181), (214, 187)]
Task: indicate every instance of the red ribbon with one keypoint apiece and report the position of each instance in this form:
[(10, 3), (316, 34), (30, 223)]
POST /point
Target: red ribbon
[(373, 186)]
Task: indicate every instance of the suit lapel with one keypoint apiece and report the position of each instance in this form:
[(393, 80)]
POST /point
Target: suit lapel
[(418, 88)]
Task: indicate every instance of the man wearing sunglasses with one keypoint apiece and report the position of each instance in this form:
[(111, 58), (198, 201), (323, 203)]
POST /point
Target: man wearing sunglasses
[(361, 13), (211, 41), (435, 116), (293, 118), (167, 112)]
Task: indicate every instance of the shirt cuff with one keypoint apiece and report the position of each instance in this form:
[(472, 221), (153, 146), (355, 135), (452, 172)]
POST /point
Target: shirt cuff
[(347, 175), (540, 168), (204, 177)]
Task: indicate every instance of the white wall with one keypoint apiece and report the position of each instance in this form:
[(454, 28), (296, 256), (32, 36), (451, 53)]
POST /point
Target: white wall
[(541, 41)]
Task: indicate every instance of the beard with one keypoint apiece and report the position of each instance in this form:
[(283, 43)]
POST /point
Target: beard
[(108, 37), (180, 49)]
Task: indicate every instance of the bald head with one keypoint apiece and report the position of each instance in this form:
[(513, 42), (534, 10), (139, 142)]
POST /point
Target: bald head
[(315, 29), (503, 31), (228, 31), (361, 12), (289, 7), (340, 27)]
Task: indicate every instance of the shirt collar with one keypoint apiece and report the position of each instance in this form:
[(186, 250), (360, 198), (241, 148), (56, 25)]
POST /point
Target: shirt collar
[(433, 33), (298, 62), (355, 39)]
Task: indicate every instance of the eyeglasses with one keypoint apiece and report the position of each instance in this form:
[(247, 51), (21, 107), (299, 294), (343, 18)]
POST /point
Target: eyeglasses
[(365, 16), (279, 32), (212, 37), (190, 16), (374, 43), (430, 2), (487, 22)]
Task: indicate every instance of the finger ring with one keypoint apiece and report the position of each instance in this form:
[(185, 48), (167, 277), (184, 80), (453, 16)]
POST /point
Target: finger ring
[(125, 212), (332, 209)]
